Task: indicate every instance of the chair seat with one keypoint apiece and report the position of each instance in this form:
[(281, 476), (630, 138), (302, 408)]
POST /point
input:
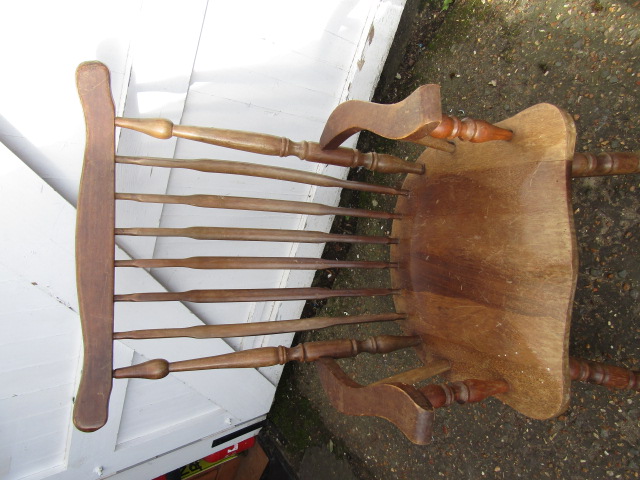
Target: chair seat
[(488, 262)]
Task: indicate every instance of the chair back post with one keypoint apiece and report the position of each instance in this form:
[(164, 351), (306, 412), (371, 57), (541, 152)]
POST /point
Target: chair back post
[(95, 247)]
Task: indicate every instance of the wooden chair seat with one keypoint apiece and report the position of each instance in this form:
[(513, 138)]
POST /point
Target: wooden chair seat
[(483, 258), (488, 265)]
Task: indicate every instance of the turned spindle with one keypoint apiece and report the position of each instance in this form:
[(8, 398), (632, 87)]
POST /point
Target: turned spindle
[(470, 130), (254, 204), (467, 391), (257, 170), (259, 263), (270, 145), (253, 295), (269, 356), (614, 163), (255, 328), (605, 375), (255, 235)]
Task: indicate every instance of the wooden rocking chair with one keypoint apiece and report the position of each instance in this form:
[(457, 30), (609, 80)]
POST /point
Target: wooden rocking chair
[(483, 258)]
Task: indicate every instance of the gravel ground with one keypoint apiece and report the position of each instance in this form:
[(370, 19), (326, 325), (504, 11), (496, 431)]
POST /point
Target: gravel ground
[(493, 59)]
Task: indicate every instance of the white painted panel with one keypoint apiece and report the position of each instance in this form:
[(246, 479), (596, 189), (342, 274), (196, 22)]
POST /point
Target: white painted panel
[(148, 400), (39, 317), (38, 378), (275, 80), (41, 119), (165, 44)]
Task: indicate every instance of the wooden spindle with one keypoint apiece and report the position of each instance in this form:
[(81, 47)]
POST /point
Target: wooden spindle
[(255, 235), (606, 375), (613, 163), (256, 328), (469, 129), (270, 145), (255, 204), (269, 356), (263, 171), (252, 295), (258, 263), (467, 391)]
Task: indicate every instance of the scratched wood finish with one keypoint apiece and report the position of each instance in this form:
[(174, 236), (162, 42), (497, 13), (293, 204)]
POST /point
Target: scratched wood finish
[(269, 356), (488, 264), (255, 204), (255, 328), (260, 263), (255, 235), (257, 170), (252, 295), (270, 145), (613, 163), (95, 247)]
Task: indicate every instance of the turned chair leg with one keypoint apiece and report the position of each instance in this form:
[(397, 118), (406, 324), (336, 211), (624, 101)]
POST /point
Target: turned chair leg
[(606, 375), (408, 408), (614, 163)]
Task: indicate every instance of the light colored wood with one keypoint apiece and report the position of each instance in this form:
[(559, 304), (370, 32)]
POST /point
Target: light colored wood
[(488, 264)]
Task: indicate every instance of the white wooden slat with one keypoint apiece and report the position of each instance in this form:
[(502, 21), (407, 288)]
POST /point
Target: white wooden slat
[(41, 118), (35, 392), (160, 75), (27, 419), (373, 47), (147, 401), (30, 253)]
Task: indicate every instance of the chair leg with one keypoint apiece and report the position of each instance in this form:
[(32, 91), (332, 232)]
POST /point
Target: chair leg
[(408, 408), (614, 163), (467, 391), (606, 375)]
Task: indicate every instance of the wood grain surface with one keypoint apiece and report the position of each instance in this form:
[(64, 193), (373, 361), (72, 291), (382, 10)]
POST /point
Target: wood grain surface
[(95, 247), (488, 264)]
